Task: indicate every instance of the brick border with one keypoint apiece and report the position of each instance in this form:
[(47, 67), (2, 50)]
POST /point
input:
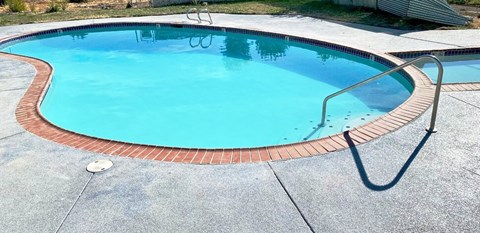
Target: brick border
[(29, 116), (447, 87)]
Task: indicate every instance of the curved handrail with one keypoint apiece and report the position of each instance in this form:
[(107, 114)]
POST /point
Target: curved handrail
[(431, 129), (205, 10), (198, 12), (193, 10)]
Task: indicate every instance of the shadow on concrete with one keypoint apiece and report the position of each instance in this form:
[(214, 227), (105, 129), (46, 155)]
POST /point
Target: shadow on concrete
[(363, 174)]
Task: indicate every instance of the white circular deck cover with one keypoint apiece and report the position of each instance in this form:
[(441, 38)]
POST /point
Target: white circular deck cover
[(99, 165)]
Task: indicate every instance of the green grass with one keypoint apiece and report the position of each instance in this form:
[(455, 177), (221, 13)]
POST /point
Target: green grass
[(319, 9)]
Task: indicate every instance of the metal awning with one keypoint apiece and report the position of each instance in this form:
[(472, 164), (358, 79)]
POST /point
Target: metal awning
[(438, 11)]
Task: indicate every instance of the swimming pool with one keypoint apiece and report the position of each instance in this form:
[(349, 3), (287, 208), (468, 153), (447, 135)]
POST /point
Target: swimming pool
[(460, 66), (199, 88)]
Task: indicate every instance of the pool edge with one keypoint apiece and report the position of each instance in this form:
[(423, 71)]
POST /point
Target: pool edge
[(446, 87), (29, 116)]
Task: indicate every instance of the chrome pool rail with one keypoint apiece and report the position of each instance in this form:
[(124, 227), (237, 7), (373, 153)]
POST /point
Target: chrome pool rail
[(198, 12), (436, 99), (193, 10)]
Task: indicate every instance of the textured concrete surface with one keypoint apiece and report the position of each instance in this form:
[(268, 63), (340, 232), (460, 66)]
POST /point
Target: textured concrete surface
[(404, 181), (39, 181), (165, 197), (13, 83)]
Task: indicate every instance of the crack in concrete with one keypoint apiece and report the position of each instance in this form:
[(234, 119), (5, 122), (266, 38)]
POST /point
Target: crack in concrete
[(291, 198), (17, 77), (465, 102), (471, 171), (432, 41), (15, 89), (13, 135)]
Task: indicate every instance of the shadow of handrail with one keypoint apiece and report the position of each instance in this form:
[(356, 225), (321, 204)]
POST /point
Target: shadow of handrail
[(200, 43), (363, 174)]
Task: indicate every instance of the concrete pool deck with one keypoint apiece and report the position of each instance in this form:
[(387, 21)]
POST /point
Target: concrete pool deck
[(407, 180)]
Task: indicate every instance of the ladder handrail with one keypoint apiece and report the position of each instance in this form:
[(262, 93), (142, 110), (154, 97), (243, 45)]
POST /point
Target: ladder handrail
[(200, 11), (193, 10), (393, 70), (205, 10)]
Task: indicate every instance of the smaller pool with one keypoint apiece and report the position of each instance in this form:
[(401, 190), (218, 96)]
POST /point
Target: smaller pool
[(458, 68)]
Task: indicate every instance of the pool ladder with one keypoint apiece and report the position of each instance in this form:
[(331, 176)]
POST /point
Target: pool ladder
[(198, 12), (431, 129)]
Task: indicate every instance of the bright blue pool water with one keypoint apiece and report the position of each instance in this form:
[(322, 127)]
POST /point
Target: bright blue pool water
[(171, 87), (457, 68)]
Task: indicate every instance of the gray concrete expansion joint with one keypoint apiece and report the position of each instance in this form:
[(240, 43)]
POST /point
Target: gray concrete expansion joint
[(465, 102), (15, 89), (473, 172), (13, 135), (432, 41), (290, 197), (74, 203)]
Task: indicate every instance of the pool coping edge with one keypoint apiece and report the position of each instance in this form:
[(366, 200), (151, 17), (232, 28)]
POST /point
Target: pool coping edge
[(29, 116)]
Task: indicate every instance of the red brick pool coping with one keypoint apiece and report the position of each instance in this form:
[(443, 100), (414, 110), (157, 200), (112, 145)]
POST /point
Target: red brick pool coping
[(28, 115)]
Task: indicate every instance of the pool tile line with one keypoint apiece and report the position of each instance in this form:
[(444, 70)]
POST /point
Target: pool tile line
[(442, 52), (28, 115)]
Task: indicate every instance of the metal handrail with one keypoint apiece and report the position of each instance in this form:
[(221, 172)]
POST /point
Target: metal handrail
[(193, 10), (431, 129), (204, 10)]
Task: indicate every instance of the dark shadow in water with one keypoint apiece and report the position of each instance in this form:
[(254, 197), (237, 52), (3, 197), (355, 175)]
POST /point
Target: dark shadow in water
[(78, 35), (236, 47), (204, 41), (314, 131), (363, 173), (326, 56), (270, 50)]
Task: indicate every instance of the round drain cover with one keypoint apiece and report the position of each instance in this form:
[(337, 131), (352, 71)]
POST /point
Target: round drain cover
[(99, 165)]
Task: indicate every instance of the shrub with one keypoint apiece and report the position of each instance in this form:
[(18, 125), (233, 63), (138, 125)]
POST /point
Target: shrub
[(63, 4), (32, 5), (57, 6), (53, 7), (16, 5)]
